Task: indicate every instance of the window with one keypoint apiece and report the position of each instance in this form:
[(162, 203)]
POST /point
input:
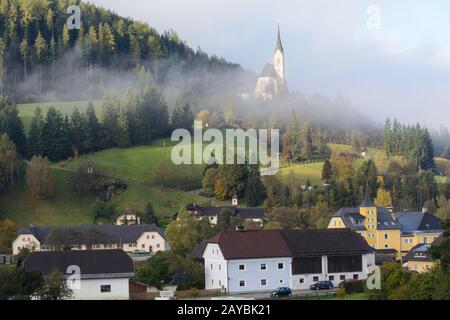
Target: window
[(105, 288), (220, 267), (211, 266), (148, 237), (263, 282), (355, 277), (386, 246), (153, 237), (280, 266), (143, 246), (158, 245), (342, 277), (241, 267), (263, 266), (315, 279), (242, 283), (220, 283), (331, 278), (386, 236), (425, 240), (212, 282), (281, 281), (301, 280)]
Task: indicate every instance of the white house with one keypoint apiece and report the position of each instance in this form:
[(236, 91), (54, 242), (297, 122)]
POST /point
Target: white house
[(92, 275), (148, 238), (263, 260), (256, 215)]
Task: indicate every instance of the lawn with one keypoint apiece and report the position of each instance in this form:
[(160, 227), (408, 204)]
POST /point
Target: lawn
[(311, 171), (26, 111)]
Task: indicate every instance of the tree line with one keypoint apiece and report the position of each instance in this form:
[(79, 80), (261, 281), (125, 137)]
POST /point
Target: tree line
[(412, 142), (34, 35)]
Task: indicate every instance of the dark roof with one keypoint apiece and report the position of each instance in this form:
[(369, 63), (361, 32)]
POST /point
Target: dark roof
[(244, 213), (91, 263), (269, 71), (251, 244), (197, 252), (418, 221), (368, 201), (419, 253), (385, 221), (279, 44), (385, 255), (105, 234), (289, 243), (325, 242)]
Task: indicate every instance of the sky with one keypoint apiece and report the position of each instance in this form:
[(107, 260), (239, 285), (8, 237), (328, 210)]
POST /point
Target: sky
[(390, 58)]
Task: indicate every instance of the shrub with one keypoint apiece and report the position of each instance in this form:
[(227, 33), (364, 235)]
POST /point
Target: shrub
[(353, 286), (341, 293)]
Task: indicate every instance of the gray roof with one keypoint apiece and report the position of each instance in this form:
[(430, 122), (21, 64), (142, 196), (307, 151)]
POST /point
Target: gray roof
[(244, 213), (419, 253), (418, 222), (368, 201), (350, 215), (279, 44), (93, 263), (84, 234)]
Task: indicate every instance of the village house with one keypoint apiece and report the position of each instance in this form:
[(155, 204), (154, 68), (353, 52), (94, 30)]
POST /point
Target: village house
[(129, 217), (385, 230), (129, 238), (419, 259), (103, 275), (256, 215), (263, 260)]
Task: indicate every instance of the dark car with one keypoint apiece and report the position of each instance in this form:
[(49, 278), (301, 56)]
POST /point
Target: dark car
[(322, 285), (281, 292)]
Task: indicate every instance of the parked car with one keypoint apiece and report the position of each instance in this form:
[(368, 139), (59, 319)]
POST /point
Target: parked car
[(322, 285), (140, 252), (281, 292)]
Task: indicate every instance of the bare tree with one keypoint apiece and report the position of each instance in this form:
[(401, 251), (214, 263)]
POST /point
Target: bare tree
[(39, 179)]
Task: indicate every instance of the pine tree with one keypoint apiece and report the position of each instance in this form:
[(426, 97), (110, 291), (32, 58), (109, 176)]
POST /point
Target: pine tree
[(254, 191), (34, 141), (327, 171), (93, 130), (78, 127), (53, 136)]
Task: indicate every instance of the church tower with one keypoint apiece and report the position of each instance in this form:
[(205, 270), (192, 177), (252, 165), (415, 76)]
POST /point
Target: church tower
[(278, 62)]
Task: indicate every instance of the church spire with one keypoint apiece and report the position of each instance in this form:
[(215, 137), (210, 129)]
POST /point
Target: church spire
[(279, 45)]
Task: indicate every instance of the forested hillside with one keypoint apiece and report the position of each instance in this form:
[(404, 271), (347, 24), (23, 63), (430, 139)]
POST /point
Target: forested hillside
[(40, 59)]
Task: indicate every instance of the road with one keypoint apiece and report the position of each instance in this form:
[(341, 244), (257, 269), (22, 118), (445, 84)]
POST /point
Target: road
[(298, 293)]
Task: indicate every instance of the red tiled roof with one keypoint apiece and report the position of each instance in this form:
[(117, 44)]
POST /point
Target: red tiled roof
[(251, 244), (289, 243)]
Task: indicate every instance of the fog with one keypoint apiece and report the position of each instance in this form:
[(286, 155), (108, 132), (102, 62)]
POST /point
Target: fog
[(401, 70)]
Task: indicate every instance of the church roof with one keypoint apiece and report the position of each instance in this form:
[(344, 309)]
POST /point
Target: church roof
[(279, 44), (269, 71), (368, 201)]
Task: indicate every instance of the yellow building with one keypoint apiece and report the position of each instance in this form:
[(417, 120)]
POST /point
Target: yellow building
[(385, 230), (419, 259)]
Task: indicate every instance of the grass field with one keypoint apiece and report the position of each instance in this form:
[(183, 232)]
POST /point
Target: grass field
[(311, 171), (26, 111)]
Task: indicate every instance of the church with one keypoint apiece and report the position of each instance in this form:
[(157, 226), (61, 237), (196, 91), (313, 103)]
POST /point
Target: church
[(271, 83)]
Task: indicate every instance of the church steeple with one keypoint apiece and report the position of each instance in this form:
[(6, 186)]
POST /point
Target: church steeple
[(279, 44)]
